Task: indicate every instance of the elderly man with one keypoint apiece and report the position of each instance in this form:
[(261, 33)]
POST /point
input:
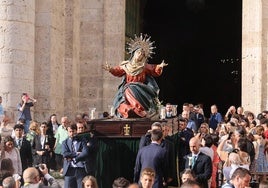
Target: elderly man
[(31, 177), (199, 162)]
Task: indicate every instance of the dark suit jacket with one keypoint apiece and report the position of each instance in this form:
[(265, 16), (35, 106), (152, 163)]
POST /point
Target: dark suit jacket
[(199, 119), (25, 154), (172, 165), (168, 144), (145, 140), (181, 143), (37, 146), (153, 156), (202, 168), (70, 155), (92, 144)]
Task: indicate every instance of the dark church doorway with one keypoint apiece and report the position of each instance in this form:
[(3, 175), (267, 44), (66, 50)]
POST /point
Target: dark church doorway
[(201, 42)]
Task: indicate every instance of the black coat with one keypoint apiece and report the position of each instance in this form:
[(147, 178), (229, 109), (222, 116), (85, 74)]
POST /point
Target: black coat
[(202, 168), (25, 153)]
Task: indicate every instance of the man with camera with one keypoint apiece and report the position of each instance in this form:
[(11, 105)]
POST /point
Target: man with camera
[(31, 177), (42, 147)]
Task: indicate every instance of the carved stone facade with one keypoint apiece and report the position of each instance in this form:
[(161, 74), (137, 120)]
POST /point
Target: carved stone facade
[(55, 50)]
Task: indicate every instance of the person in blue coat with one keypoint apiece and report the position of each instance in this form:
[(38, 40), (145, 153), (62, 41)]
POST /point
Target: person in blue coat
[(75, 152)]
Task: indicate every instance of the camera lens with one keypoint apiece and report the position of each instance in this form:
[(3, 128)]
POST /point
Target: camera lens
[(42, 166)]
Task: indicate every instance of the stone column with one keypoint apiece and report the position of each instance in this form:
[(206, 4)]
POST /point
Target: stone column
[(17, 39), (91, 54), (102, 37), (114, 46), (254, 55), (71, 59), (50, 64)]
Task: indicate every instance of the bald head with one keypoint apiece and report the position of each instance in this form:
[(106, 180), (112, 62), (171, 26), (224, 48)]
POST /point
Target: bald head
[(194, 145), (9, 182), (195, 140), (30, 175)]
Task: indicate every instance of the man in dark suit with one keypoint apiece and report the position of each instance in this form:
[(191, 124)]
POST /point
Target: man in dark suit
[(91, 142), (42, 146), (199, 162), (199, 118), (74, 151), (155, 157), (146, 139), (166, 143), (181, 142), (24, 147)]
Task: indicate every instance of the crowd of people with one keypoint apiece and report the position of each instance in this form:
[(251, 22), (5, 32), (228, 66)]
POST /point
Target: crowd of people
[(210, 149), (32, 150), (186, 148), (191, 150)]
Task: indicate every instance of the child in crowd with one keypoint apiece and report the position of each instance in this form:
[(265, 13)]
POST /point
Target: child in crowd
[(89, 182)]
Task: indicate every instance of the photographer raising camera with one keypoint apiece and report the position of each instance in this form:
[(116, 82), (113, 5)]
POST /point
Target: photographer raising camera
[(31, 177), (24, 108)]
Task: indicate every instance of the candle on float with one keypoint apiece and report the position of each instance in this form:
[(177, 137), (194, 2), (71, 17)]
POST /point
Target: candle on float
[(163, 113), (92, 114), (112, 111)]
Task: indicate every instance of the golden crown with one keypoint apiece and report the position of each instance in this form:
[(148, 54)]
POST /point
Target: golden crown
[(141, 42)]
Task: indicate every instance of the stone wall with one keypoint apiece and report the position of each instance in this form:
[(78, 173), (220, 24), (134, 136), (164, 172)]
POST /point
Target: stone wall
[(102, 39), (17, 41), (114, 47), (254, 55), (81, 42), (55, 50), (50, 66)]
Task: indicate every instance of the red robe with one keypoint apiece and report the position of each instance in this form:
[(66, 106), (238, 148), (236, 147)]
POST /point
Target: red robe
[(132, 107)]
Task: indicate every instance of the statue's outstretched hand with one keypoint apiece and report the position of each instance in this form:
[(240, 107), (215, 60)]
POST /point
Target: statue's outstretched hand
[(106, 67), (163, 64)]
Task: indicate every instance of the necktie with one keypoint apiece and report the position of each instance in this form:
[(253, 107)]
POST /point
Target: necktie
[(19, 143), (73, 147), (194, 159)]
